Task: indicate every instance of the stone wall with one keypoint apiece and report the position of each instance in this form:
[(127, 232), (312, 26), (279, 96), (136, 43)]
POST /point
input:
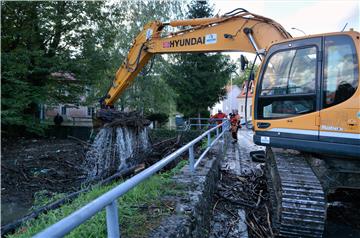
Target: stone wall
[(193, 207)]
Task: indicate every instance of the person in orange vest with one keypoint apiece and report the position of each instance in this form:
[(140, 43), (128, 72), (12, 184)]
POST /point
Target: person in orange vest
[(235, 124), (219, 115)]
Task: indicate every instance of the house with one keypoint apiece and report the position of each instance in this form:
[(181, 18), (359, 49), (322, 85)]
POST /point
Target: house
[(241, 97), (230, 102), (73, 115)]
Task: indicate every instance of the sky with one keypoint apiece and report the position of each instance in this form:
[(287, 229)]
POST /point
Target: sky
[(311, 17)]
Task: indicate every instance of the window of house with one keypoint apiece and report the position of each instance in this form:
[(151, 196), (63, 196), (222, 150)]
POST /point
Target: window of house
[(288, 85), (340, 70), (90, 111), (63, 110)]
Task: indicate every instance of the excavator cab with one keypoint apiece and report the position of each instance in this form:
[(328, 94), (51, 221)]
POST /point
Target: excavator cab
[(307, 95), (306, 112)]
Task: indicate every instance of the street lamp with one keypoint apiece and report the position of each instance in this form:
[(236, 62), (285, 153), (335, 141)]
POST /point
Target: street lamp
[(293, 28)]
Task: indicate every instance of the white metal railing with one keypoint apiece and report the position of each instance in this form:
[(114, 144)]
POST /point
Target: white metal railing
[(202, 123), (109, 199)]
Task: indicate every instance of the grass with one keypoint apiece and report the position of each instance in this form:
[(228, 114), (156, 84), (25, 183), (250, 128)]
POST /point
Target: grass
[(140, 210), (204, 142)]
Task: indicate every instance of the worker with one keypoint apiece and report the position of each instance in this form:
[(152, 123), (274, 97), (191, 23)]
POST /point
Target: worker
[(219, 117), (58, 120), (235, 125)]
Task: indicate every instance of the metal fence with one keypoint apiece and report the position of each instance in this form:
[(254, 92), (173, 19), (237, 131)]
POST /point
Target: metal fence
[(202, 123), (109, 199)]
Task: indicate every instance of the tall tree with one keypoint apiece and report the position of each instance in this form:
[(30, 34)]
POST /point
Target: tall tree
[(88, 39), (41, 38), (199, 79)]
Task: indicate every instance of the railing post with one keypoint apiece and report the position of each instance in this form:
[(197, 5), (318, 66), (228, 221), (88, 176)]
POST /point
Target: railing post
[(209, 139), (191, 158), (112, 220), (217, 132), (223, 126)]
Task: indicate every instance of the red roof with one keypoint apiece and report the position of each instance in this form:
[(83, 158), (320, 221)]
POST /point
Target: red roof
[(243, 90)]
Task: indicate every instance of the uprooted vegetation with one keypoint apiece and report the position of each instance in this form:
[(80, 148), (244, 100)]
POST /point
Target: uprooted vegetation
[(30, 166), (140, 210)]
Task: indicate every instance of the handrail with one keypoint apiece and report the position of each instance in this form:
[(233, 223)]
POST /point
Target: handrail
[(211, 122), (108, 199)]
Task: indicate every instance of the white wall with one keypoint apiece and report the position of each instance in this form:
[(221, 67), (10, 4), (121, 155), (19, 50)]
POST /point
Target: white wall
[(230, 102), (241, 107)]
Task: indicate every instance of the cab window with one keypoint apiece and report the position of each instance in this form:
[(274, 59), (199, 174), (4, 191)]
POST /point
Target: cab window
[(288, 85), (340, 70)]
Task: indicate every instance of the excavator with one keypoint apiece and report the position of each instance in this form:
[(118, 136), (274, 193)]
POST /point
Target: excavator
[(306, 105)]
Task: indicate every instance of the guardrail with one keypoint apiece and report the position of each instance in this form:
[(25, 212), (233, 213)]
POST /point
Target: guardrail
[(108, 199), (202, 122)]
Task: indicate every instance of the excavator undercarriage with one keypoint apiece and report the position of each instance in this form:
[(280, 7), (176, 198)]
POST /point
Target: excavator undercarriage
[(299, 185), (297, 197)]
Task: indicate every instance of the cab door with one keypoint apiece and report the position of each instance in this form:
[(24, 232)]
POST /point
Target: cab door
[(340, 95), (288, 94)]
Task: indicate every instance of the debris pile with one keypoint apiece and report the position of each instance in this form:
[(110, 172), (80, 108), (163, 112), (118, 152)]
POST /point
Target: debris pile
[(248, 192), (113, 118), (30, 166)]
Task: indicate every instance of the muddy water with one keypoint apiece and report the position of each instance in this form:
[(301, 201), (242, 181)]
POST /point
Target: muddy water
[(11, 211), (113, 149)]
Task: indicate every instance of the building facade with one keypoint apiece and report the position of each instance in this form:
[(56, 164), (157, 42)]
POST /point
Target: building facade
[(73, 115), (230, 102), (241, 97)]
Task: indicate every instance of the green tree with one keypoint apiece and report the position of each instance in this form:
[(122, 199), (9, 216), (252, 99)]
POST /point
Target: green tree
[(88, 40), (199, 79), (38, 39)]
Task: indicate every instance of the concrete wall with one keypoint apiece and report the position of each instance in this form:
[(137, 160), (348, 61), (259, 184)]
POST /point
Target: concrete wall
[(193, 207)]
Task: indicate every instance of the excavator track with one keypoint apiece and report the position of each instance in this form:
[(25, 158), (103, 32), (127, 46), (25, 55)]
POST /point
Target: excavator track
[(299, 206)]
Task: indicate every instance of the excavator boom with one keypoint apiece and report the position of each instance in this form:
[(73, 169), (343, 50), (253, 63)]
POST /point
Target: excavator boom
[(235, 31)]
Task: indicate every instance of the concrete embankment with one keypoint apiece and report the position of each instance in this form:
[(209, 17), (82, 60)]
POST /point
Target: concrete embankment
[(193, 208)]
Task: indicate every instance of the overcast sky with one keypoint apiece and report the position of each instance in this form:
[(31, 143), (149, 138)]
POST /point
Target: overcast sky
[(312, 17)]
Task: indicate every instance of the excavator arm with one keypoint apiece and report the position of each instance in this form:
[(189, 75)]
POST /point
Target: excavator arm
[(238, 30)]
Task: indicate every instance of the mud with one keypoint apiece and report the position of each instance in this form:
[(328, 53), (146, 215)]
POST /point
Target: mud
[(30, 166), (241, 200)]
